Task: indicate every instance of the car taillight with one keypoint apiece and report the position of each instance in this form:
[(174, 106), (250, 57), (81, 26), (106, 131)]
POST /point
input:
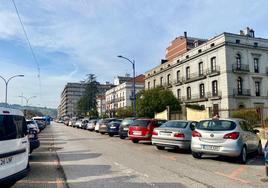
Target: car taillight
[(196, 134), (155, 133), (179, 135), (233, 135)]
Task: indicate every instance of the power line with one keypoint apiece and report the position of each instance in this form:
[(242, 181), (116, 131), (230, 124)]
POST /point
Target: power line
[(29, 44)]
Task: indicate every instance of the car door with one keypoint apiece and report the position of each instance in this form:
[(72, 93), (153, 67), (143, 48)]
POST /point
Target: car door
[(246, 136), (254, 139)]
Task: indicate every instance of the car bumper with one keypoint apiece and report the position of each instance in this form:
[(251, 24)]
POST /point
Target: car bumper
[(223, 151), (182, 144), (136, 137), (15, 177), (123, 133), (113, 131)]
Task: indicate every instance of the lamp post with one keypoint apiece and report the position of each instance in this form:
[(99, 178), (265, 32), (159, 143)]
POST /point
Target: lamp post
[(27, 102), (133, 84), (7, 81)]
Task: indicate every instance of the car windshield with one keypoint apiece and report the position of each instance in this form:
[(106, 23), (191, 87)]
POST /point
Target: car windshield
[(30, 122), (216, 125), (142, 123), (127, 121), (174, 124)]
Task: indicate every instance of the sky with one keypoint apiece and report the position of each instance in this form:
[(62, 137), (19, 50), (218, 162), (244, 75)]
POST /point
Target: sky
[(73, 38)]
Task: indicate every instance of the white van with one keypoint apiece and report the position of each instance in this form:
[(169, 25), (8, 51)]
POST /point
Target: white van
[(14, 147)]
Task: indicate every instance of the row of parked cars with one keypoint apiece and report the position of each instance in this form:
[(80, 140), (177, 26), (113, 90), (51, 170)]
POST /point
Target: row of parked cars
[(225, 137), (18, 138)]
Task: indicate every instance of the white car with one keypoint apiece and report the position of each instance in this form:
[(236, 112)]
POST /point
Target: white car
[(97, 127), (14, 150), (31, 124)]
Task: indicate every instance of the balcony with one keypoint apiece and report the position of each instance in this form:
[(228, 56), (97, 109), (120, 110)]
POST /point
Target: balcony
[(178, 81), (167, 85), (242, 68), (242, 92), (195, 98), (194, 77), (214, 95), (213, 72)]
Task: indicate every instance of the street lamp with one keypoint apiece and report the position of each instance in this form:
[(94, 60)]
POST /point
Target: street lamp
[(7, 81), (27, 99), (134, 83)]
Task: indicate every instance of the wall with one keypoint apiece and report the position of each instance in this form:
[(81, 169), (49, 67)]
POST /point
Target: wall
[(197, 115)]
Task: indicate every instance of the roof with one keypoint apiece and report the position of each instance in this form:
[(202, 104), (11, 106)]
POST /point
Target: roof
[(140, 78), (10, 111)]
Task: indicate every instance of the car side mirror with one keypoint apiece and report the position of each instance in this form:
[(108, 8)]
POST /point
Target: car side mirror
[(192, 126), (255, 131)]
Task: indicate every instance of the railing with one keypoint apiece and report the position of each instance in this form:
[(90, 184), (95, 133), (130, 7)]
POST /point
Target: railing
[(215, 94), (214, 71), (242, 92), (178, 81), (195, 98), (194, 76), (240, 68)]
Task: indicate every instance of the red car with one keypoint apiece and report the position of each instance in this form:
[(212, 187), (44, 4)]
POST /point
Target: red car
[(142, 129)]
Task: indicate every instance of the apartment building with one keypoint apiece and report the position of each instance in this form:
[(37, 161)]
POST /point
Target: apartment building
[(121, 96), (228, 71)]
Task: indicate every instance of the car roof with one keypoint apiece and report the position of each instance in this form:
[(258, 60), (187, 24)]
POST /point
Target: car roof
[(226, 119), (10, 111)]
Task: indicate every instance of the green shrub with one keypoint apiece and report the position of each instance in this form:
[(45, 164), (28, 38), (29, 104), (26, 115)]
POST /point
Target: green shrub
[(250, 115)]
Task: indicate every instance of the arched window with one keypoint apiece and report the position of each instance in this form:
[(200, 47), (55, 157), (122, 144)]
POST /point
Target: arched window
[(239, 85), (161, 81), (188, 93), (202, 90), (238, 61), (149, 84), (168, 79), (154, 83), (215, 88)]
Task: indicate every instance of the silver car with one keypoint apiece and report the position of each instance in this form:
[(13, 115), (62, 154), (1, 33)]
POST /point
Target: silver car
[(173, 134), (226, 137)]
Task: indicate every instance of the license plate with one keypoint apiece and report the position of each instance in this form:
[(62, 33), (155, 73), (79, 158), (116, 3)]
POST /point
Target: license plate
[(213, 148), (165, 134), (136, 132), (125, 129), (5, 161), (112, 127)]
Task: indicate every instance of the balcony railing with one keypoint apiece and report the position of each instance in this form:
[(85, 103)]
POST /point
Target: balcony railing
[(214, 95), (194, 76), (242, 92), (214, 71), (178, 81), (240, 68), (195, 98)]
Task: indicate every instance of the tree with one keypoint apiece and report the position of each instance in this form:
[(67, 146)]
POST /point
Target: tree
[(124, 112), (156, 100), (87, 103)]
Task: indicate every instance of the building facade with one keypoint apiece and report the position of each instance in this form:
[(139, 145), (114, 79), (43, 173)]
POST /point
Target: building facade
[(121, 96), (228, 71)]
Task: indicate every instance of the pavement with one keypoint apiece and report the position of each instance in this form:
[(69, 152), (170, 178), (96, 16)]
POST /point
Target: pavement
[(71, 157)]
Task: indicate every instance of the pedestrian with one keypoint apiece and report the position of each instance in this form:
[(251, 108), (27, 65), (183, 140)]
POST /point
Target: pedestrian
[(216, 116)]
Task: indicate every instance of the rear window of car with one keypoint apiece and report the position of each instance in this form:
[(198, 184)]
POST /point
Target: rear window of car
[(11, 127), (127, 121), (216, 125), (142, 123), (175, 124), (158, 123)]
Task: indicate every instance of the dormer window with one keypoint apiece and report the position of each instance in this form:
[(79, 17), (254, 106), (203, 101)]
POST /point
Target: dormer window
[(212, 45), (187, 56), (199, 51), (178, 61)]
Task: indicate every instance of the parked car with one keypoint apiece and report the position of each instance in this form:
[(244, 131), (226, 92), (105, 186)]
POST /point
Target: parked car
[(66, 122), (31, 124), (78, 124), (227, 137), (72, 121), (142, 129), (174, 134), (266, 157), (103, 126), (14, 150), (91, 124), (41, 122), (113, 127), (84, 123), (33, 139), (123, 129), (97, 127)]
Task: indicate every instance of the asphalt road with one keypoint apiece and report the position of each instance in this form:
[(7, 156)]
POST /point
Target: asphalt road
[(88, 159)]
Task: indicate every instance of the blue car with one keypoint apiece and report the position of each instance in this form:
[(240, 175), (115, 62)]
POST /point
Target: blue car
[(113, 128), (266, 157)]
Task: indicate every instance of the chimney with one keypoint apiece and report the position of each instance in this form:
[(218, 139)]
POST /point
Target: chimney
[(185, 34)]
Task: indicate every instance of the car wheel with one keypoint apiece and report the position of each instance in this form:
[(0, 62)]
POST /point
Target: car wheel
[(122, 137), (160, 147), (243, 156), (135, 141), (197, 155), (111, 135)]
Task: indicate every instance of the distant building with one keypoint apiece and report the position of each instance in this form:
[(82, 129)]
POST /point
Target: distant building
[(121, 96), (101, 104), (228, 71), (121, 79)]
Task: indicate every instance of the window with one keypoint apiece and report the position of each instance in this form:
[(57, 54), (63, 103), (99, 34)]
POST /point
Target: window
[(178, 75), (200, 69), (187, 56), (212, 45), (199, 51), (257, 88), (213, 64), (161, 81), (202, 90), (188, 93), (187, 73), (255, 44), (216, 125), (237, 41), (179, 94), (238, 61), (168, 79), (215, 88), (239, 85), (149, 85), (256, 65), (154, 83)]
